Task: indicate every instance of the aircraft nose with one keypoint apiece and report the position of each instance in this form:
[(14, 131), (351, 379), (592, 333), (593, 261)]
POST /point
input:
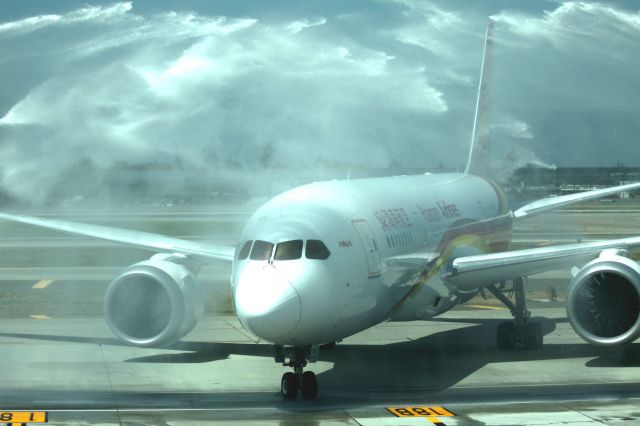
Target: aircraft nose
[(266, 303)]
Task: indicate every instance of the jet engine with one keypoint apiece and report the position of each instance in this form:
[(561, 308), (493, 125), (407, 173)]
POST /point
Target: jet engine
[(154, 302), (603, 300)]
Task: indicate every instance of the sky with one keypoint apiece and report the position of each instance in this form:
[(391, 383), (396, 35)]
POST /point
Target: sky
[(215, 84)]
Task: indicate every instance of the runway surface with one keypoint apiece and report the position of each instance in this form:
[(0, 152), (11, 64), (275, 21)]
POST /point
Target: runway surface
[(57, 354), (218, 373)]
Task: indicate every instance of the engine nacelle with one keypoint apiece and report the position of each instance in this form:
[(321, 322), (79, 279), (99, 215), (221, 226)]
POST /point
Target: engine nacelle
[(154, 302), (603, 301)]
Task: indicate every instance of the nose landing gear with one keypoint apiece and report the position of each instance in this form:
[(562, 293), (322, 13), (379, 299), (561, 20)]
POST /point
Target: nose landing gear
[(298, 380)]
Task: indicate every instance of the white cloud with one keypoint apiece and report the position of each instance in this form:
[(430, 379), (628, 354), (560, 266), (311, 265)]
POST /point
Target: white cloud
[(88, 13), (137, 87), (29, 24), (576, 25), (359, 87), (511, 127), (296, 26)]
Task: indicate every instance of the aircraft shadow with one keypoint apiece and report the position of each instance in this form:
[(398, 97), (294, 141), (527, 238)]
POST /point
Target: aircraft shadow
[(433, 362), (200, 352), (193, 352), (425, 366)]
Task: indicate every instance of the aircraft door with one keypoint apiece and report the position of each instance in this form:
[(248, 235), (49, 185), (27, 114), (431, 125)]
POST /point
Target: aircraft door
[(369, 246)]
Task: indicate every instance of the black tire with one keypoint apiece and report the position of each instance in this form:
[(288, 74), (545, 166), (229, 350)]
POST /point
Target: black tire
[(533, 337), (309, 385), (289, 386), (505, 335), (539, 334)]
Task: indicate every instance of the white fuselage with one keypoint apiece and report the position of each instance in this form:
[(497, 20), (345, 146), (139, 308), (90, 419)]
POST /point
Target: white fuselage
[(386, 241)]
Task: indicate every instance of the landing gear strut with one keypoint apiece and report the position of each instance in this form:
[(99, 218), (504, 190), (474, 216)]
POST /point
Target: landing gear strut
[(298, 380), (521, 332)]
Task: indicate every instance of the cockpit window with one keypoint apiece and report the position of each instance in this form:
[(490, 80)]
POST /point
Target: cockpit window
[(316, 250), (261, 250), (244, 251), (288, 250)]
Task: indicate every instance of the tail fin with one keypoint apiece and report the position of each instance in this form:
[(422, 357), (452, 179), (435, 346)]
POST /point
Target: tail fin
[(479, 153)]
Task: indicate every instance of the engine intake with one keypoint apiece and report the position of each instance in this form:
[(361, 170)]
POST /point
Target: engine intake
[(154, 302), (603, 301)]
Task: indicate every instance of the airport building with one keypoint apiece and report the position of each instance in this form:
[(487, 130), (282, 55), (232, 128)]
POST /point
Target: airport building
[(533, 182)]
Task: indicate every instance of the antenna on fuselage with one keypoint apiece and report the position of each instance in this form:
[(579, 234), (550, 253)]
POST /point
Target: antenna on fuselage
[(479, 152)]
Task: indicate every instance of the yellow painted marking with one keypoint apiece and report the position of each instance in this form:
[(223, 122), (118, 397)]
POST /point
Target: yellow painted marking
[(39, 317), (495, 308), (42, 284), (431, 413), (24, 417)]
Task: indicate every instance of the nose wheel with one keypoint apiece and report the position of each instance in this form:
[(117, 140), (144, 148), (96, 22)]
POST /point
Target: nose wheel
[(299, 380), (289, 385), (307, 384)]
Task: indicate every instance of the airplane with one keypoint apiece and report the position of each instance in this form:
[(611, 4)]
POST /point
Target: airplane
[(326, 260)]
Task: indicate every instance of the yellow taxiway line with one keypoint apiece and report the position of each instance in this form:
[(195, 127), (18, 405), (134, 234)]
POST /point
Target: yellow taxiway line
[(39, 317), (495, 308), (42, 284)]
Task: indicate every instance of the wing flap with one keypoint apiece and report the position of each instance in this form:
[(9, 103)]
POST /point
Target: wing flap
[(472, 272), (140, 239)]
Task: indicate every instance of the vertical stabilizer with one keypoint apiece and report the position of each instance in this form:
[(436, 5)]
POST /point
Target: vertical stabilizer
[(480, 151)]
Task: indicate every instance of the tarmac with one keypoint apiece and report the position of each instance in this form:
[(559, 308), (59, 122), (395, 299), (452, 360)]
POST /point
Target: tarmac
[(59, 357)]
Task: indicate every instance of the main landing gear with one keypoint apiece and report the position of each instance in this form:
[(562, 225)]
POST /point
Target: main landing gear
[(298, 380), (521, 332)]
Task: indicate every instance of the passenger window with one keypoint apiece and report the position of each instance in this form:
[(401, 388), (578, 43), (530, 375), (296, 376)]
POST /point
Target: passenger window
[(261, 250), (316, 250), (244, 251), (289, 250)]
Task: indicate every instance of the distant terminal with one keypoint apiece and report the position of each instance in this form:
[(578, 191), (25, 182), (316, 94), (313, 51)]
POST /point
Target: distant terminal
[(532, 182)]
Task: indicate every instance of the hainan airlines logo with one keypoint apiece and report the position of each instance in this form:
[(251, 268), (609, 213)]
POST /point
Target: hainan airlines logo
[(441, 209), (430, 214), (393, 218), (449, 210), (345, 244)]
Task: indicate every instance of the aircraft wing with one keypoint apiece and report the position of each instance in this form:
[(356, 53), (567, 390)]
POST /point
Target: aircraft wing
[(547, 204), (155, 242), (478, 271)]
